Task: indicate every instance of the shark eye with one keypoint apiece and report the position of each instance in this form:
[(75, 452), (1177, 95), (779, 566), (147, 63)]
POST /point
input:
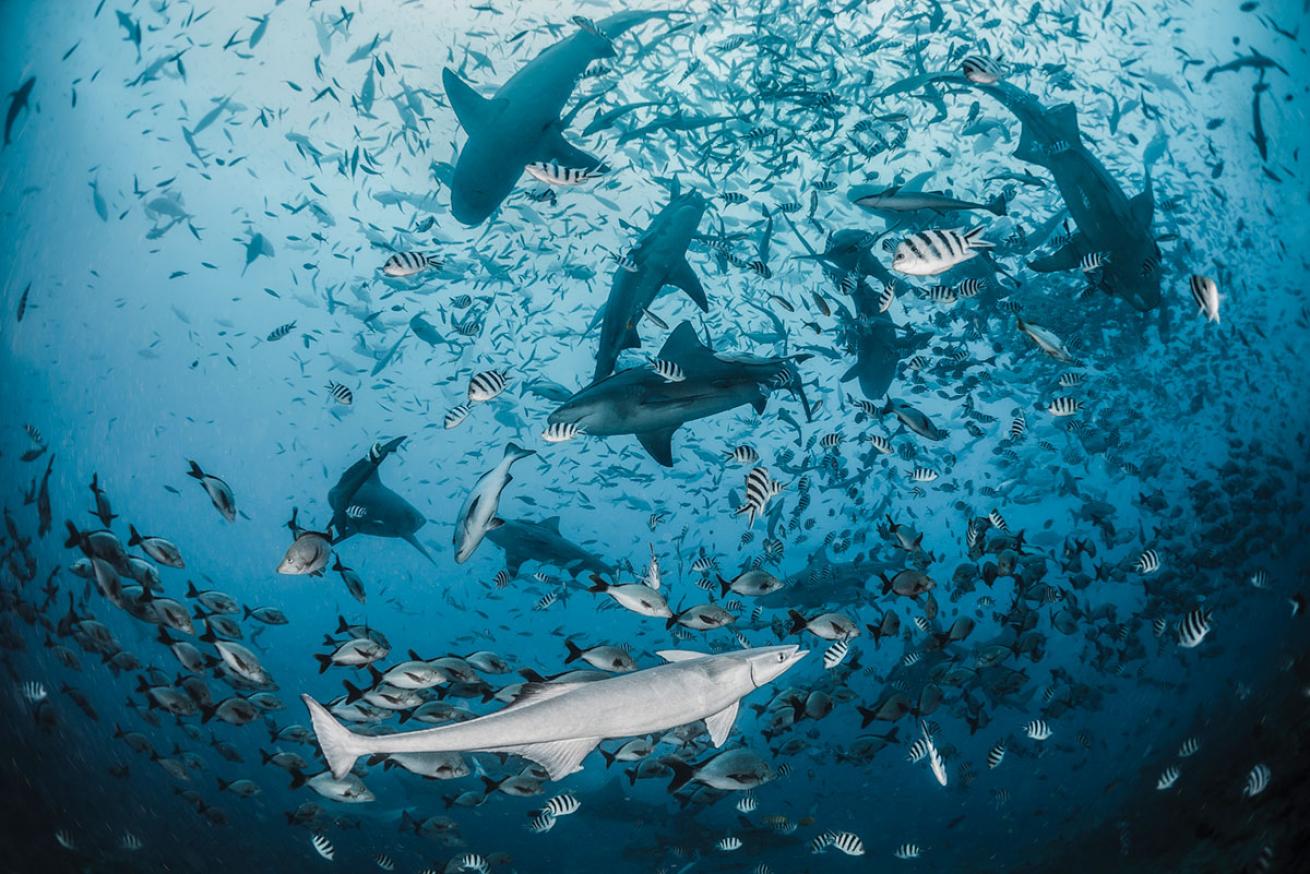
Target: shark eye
[(782, 657)]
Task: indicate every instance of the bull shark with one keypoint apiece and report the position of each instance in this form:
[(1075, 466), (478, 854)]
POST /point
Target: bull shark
[(1109, 222), (541, 541), (557, 724), (361, 504), (639, 401), (659, 258), (521, 124)]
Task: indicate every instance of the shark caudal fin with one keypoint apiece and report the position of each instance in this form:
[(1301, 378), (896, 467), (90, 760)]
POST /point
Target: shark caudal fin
[(340, 745)]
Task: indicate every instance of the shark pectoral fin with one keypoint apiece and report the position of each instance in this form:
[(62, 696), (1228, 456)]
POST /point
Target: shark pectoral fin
[(555, 148), (720, 724), (680, 655), (659, 444), (682, 276), (631, 339), (413, 541), (1142, 209), (1064, 258), (472, 109), (759, 403), (495, 523), (560, 758)]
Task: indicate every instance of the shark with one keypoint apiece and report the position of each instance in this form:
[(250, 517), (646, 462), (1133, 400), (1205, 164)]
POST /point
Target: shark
[(524, 540), (640, 402), (824, 582), (557, 724), (659, 258), (361, 504), (521, 124), (1109, 222)]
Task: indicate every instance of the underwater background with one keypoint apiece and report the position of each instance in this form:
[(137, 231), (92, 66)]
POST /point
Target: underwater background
[(200, 201)]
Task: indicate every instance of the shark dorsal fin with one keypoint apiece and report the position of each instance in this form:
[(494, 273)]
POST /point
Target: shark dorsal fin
[(560, 758), (472, 109), (680, 342), (680, 655), (552, 523), (720, 724)]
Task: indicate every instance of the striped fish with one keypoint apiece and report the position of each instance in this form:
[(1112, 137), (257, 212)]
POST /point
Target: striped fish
[(940, 294), (821, 842), (469, 862), (886, 297), (849, 843), (997, 520), (918, 750), (487, 385), (880, 444), (996, 754), (1257, 781), (541, 822), (911, 660), (907, 851), (704, 564), (501, 579), (1038, 729), (385, 862), (455, 416), (461, 301), (562, 432), (404, 264), (747, 803), (743, 454), (1168, 778), (1093, 261), (1194, 627), (667, 370), (1064, 406), (935, 251), (981, 69), (760, 489), (1190, 747), (924, 475), (546, 601), (553, 173), (340, 393), (1206, 294), (280, 331), (734, 198), (728, 844), (1018, 426), (830, 441), (323, 846), (1159, 626), (835, 655), (968, 288), (1070, 379), (563, 805), (1148, 562)]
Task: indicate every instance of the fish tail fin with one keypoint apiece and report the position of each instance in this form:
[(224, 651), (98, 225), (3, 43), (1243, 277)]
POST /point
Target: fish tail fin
[(575, 652), (134, 536), (340, 745), (866, 716), (195, 472), (682, 773), (798, 622)]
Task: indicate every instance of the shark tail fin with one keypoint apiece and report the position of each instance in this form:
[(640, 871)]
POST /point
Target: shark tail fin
[(340, 745)]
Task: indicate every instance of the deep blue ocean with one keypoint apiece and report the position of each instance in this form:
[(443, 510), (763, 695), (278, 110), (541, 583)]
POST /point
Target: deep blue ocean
[(975, 334)]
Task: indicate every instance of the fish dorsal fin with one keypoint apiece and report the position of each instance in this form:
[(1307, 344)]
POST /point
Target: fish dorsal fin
[(535, 693), (720, 724), (552, 523), (473, 110), (680, 655), (682, 276), (560, 758), (682, 341)]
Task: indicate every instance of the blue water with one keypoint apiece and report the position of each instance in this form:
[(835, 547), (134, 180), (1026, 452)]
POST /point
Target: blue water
[(145, 275)]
